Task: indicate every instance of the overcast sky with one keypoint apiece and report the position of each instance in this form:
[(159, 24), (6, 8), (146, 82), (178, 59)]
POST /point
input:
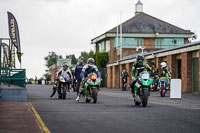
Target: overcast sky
[(67, 26)]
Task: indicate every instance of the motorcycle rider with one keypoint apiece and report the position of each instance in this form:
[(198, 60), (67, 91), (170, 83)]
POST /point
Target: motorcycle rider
[(77, 73), (138, 67), (166, 72), (88, 68), (64, 71)]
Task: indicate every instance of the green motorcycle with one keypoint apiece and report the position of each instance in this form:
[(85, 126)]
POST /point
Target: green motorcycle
[(91, 88), (143, 88)]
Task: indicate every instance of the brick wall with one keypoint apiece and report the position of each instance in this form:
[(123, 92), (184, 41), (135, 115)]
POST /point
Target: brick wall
[(149, 43), (186, 40), (114, 80), (158, 61), (113, 57), (128, 51), (129, 70), (172, 63), (199, 71), (109, 77), (186, 71), (120, 75)]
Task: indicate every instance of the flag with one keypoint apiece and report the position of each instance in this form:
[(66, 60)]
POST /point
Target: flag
[(12, 56), (14, 36), (6, 55)]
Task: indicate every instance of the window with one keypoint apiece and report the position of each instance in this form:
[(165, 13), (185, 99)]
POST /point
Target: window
[(171, 42), (139, 42), (159, 43), (107, 45), (126, 42), (117, 39)]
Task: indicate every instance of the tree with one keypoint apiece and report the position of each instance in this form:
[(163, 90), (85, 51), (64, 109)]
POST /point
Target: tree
[(74, 60), (47, 76), (101, 60), (51, 59), (85, 55)]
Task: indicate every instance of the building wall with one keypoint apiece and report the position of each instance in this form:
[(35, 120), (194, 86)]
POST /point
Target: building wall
[(149, 43), (186, 71), (199, 69), (53, 73), (113, 57), (172, 61)]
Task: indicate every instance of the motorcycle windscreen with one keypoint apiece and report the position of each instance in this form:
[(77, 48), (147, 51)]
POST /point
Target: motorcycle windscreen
[(145, 76)]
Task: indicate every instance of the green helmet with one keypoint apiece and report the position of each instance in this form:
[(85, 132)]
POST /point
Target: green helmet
[(140, 59)]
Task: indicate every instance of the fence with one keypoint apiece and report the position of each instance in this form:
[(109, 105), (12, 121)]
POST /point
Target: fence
[(103, 72), (13, 77)]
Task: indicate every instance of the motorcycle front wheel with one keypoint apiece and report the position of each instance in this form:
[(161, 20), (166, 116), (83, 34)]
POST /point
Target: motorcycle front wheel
[(94, 95), (162, 92), (145, 98), (64, 93)]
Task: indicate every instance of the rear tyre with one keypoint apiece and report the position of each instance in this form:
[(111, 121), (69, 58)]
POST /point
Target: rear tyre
[(145, 98)]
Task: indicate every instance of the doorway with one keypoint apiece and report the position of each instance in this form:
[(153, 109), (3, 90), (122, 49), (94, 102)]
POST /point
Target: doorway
[(195, 74)]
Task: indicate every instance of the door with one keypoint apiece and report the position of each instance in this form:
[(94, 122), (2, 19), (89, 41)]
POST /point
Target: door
[(195, 74), (179, 69)]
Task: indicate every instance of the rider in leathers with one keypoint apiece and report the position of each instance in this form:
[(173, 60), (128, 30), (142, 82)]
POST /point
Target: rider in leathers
[(138, 67), (88, 68), (166, 72), (64, 71)]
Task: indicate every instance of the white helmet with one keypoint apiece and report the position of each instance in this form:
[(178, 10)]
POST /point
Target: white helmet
[(163, 64)]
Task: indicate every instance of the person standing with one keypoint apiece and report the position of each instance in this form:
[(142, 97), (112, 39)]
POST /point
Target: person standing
[(78, 71), (124, 79)]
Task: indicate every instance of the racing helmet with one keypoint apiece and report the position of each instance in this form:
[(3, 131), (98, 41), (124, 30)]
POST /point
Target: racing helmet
[(90, 60), (163, 64), (140, 59), (65, 65)]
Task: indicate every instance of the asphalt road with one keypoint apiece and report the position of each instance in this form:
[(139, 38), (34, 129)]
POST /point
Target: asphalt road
[(116, 113)]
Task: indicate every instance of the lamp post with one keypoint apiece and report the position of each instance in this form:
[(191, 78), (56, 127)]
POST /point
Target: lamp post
[(140, 47)]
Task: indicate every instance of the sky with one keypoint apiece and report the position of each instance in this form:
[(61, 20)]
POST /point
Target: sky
[(67, 26)]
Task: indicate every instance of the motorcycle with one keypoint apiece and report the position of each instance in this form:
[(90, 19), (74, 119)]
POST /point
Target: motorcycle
[(64, 84), (144, 82), (162, 83), (91, 88)]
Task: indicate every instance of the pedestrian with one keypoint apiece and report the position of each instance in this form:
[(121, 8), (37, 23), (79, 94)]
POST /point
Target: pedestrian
[(124, 79), (154, 76), (77, 73)]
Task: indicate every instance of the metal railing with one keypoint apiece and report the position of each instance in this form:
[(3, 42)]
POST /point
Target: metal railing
[(15, 77)]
